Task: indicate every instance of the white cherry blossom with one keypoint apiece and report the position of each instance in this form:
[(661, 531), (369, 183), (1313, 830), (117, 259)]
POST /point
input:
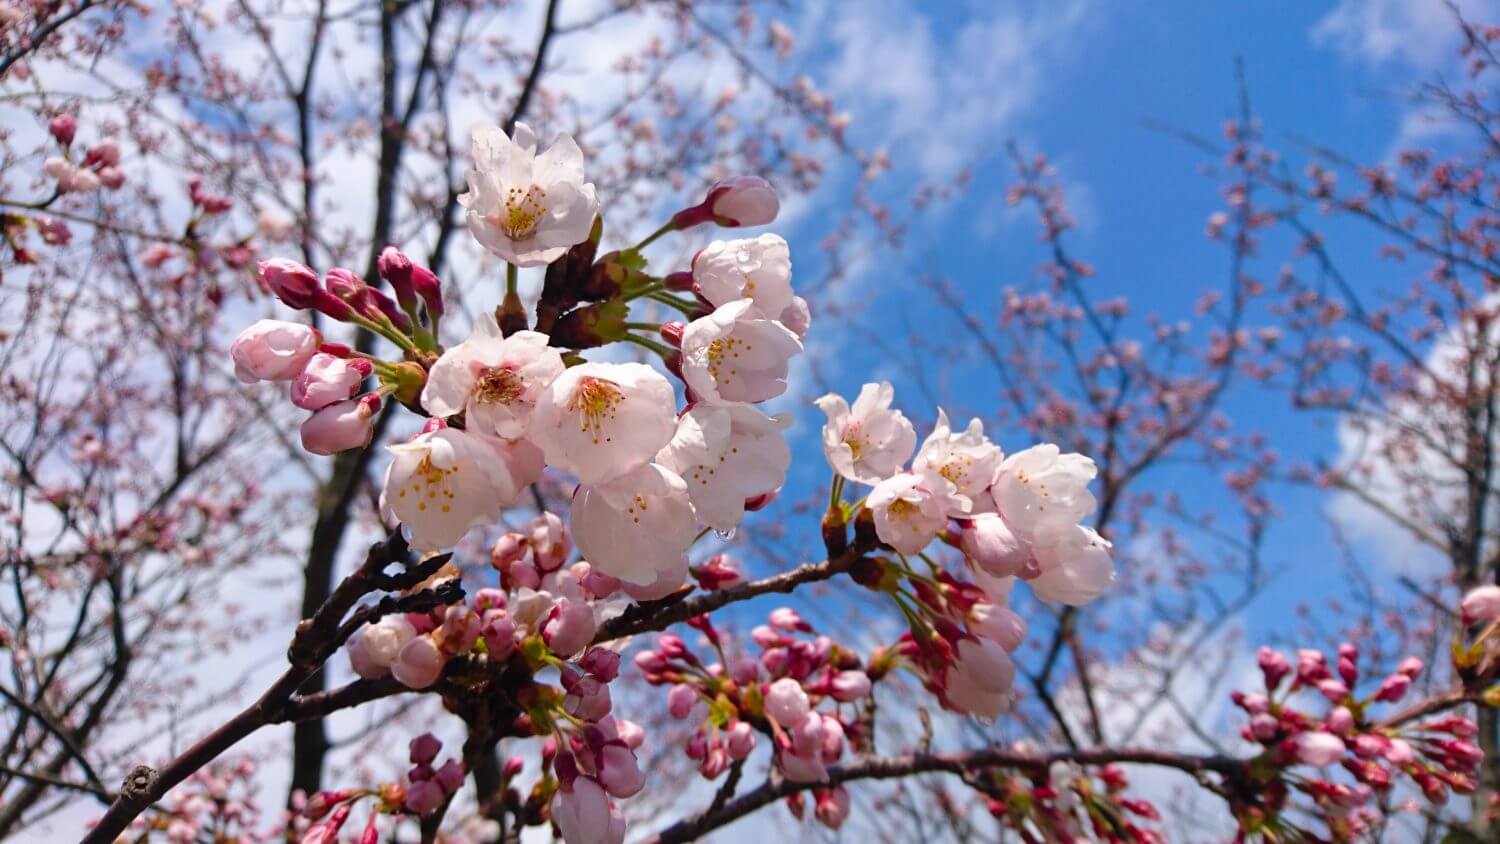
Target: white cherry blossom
[(968, 459), (868, 442), (1075, 566), (1040, 490), (601, 420), (726, 455), (737, 354), (755, 268), (527, 208), (444, 482), (981, 680), (634, 526), (911, 509), (493, 379)]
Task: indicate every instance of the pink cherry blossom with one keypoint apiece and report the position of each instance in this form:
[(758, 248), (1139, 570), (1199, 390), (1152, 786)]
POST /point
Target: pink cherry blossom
[(526, 208), (602, 420), (272, 350), (869, 441), (494, 380), (737, 354)]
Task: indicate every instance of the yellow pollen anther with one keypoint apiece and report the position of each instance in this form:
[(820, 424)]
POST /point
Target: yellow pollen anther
[(595, 400)]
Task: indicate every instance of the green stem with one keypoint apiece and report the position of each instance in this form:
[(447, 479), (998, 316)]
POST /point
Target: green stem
[(650, 238), (835, 492), (654, 346), (644, 326), (512, 273), (653, 287), (668, 299)]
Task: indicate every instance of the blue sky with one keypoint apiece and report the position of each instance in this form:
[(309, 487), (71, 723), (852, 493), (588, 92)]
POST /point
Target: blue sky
[(944, 85)]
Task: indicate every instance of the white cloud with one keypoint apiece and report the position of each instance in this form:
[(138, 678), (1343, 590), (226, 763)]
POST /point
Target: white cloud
[(1421, 34), (943, 99)]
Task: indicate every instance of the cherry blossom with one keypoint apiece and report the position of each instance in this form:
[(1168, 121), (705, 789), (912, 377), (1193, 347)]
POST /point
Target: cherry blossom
[(737, 354), (341, 426), (1041, 490), (910, 509), (981, 680), (446, 481), (524, 207), (636, 525), (758, 269), (727, 455), (1074, 569), (601, 420), (870, 441), (272, 350), (492, 379), (967, 459)]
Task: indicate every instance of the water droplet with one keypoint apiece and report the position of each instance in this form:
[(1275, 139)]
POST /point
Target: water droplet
[(725, 535)]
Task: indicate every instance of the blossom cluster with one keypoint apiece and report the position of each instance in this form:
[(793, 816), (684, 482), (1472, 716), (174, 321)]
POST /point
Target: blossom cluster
[(1067, 802), (1013, 517), (729, 702), (1433, 752), (661, 455)]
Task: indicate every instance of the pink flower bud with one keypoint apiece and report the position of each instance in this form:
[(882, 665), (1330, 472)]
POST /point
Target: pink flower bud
[(1274, 666), (63, 127), (1481, 605), (1393, 688), (786, 618), (509, 549), (105, 152), (350, 288), (569, 628), (743, 201), (1411, 667), (765, 637), (588, 700), (293, 283), (272, 350), (744, 670), (1317, 748), (499, 635), (424, 797), (1334, 690), (429, 289), (631, 733), (450, 776), (800, 767), (681, 700), (1340, 721), (850, 686), (327, 379), (602, 663), (1398, 752), (1311, 667), (113, 178), (619, 772), (419, 664), (740, 741), (787, 702), (1264, 726), (424, 749), (999, 624), (396, 269), (987, 541), (341, 426), (715, 762), (460, 629), (582, 813), (550, 542), (513, 767), (599, 584), (832, 806)]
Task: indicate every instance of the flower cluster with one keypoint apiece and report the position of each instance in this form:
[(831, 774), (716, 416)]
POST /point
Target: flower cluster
[(776, 694), (1434, 753), (1067, 802), (657, 465), (1015, 517), (99, 167)]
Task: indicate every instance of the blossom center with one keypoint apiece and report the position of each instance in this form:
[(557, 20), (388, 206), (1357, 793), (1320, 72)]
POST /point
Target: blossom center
[(854, 438), (497, 385), (596, 401), (902, 509), (523, 212), (725, 351), (432, 485)]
